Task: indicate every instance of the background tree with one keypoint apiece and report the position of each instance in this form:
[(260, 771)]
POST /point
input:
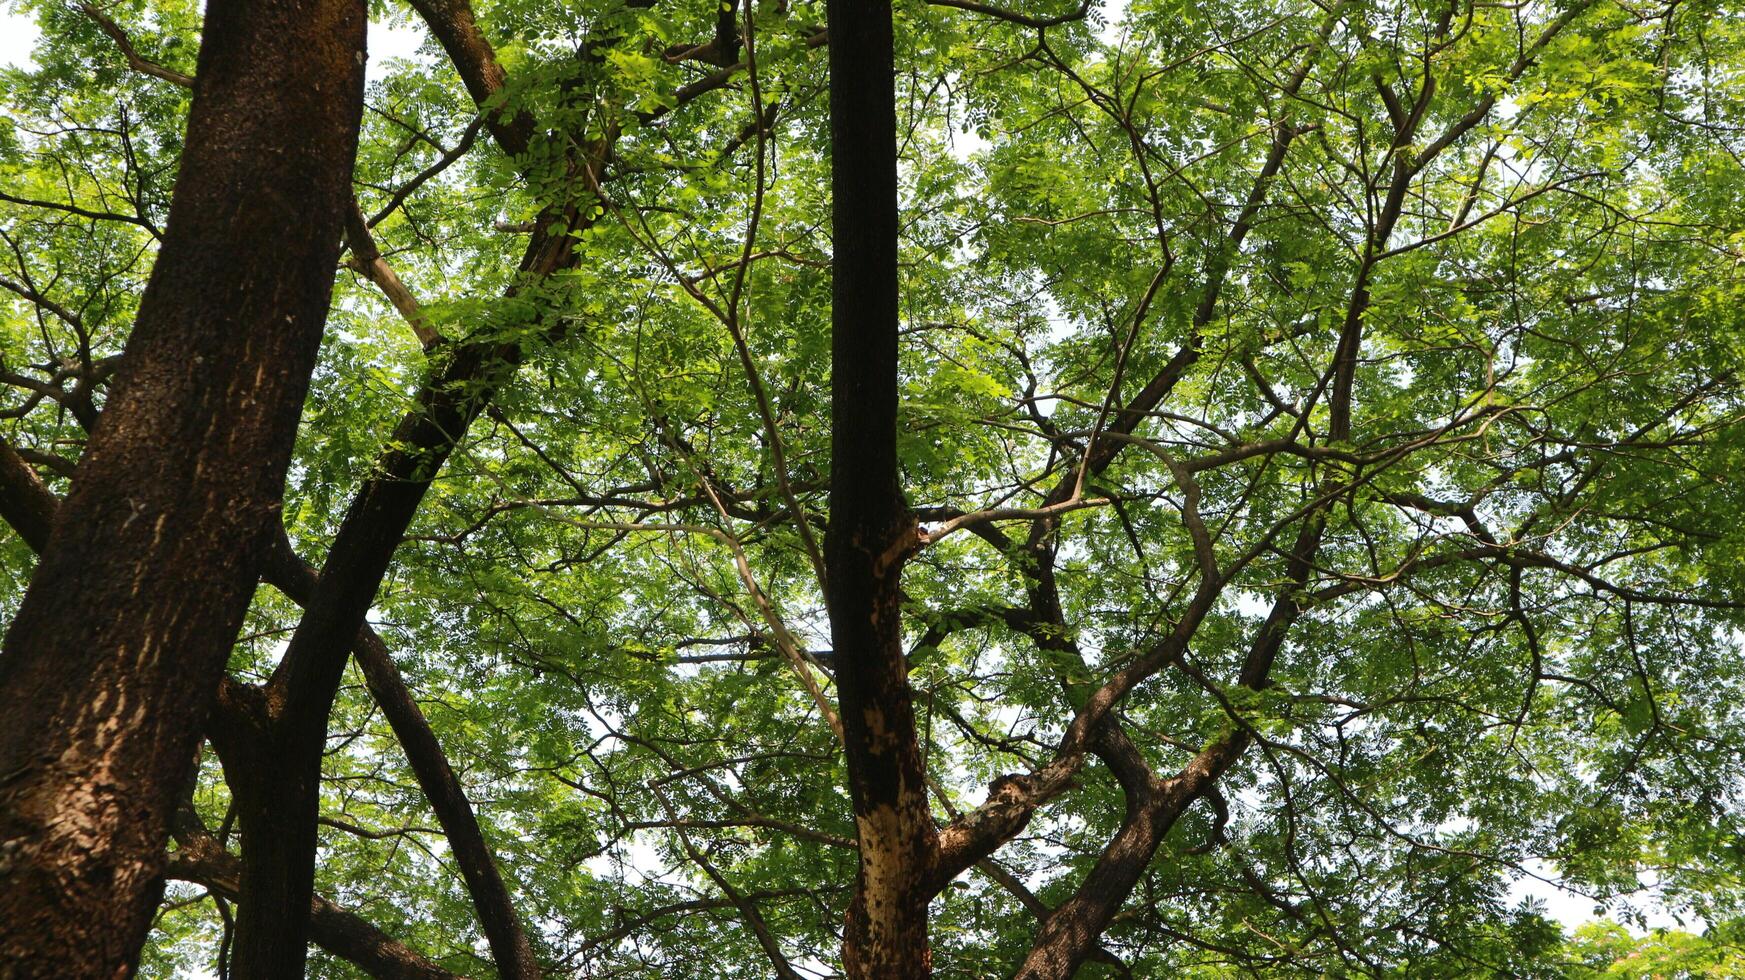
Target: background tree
[(1316, 422)]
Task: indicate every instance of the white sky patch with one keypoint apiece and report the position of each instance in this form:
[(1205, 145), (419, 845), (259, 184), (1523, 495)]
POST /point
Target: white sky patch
[(1564, 907), (18, 36), (1572, 910), (388, 42), (1114, 22)]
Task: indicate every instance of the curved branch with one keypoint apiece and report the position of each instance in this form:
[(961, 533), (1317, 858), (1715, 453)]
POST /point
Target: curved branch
[(131, 53)]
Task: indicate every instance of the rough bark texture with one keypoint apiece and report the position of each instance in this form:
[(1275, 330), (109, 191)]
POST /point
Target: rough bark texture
[(121, 639), (870, 529)]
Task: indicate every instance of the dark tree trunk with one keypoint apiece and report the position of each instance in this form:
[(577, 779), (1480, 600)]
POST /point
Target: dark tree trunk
[(287, 730), (121, 640), (278, 811), (1071, 933), (25, 503), (29, 507), (871, 531), (279, 814), (454, 812), (202, 860)]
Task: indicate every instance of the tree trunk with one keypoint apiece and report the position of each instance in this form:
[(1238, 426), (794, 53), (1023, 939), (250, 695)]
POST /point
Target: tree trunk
[(119, 644), (202, 860), (871, 531), (25, 503), (279, 815), (454, 812)]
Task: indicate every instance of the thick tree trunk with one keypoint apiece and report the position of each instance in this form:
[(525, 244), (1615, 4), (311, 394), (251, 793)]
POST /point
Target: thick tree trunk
[(121, 640), (871, 531)]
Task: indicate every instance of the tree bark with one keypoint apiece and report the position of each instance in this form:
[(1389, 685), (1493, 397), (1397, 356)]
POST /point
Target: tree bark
[(25, 503), (871, 530), (281, 815), (111, 664), (278, 807)]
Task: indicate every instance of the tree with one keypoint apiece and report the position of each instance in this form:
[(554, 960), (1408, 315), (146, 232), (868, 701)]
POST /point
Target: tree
[(115, 651), (1203, 489)]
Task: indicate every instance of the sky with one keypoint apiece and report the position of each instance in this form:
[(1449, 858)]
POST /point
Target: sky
[(18, 35)]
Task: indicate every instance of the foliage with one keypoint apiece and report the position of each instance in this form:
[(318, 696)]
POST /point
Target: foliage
[(1511, 647)]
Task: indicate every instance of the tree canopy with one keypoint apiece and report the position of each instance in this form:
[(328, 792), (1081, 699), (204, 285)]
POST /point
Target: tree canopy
[(1316, 521)]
